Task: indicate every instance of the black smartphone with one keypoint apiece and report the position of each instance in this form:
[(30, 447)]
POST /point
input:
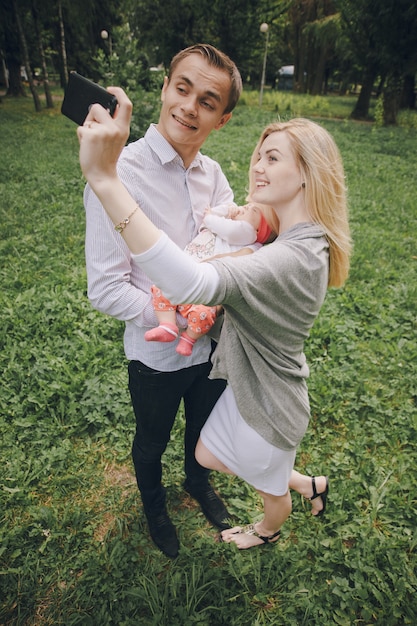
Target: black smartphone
[(80, 94)]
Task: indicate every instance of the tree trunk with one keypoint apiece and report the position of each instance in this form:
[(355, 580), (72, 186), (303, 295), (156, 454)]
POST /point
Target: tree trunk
[(62, 45), (11, 51), (15, 88), (319, 76), (25, 55), (45, 78), (408, 96), (392, 98), (361, 110), (299, 60), (310, 60), (299, 68), (380, 87), (4, 70)]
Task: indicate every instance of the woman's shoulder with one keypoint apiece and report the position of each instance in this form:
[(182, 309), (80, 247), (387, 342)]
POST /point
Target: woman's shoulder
[(301, 231)]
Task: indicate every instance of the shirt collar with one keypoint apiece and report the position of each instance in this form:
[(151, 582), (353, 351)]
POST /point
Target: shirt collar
[(164, 151)]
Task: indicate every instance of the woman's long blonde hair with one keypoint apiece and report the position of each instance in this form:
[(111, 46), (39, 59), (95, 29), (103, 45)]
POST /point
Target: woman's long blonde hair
[(322, 172)]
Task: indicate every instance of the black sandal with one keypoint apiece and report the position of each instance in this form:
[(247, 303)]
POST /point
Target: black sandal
[(322, 495)]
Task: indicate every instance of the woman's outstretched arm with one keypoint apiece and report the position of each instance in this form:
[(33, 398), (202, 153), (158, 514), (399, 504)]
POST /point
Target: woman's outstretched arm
[(102, 139)]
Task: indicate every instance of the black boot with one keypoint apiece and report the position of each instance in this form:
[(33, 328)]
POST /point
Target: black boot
[(163, 533), (161, 529), (211, 504)]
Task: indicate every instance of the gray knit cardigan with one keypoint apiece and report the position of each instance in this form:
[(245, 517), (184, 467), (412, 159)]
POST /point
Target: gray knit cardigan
[(271, 299)]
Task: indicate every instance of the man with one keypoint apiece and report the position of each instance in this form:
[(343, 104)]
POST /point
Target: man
[(173, 183)]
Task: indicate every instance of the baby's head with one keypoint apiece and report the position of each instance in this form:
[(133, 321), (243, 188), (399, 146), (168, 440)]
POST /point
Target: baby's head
[(252, 214)]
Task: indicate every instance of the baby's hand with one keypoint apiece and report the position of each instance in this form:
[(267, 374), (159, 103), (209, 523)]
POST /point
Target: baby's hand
[(228, 210), (235, 210)]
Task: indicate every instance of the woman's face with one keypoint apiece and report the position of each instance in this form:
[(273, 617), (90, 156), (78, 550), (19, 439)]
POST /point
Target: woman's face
[(277, 174)]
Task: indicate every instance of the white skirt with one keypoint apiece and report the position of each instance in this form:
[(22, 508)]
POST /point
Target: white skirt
[(243, 451)]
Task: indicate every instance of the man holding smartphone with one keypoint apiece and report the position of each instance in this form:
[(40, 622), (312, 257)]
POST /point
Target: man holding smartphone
[(173, 183)]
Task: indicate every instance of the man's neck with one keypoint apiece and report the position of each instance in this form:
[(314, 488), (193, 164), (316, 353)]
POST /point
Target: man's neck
[(187, 156), (187, 153)]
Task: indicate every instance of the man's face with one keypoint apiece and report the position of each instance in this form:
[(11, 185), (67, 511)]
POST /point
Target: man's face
[(193, 104)]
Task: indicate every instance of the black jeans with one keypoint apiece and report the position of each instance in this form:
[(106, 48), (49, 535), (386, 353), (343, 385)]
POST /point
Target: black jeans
[(156, 397)]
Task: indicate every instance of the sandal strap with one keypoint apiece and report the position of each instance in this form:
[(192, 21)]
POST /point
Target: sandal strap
[(268, 539), (315, 494), (322, 494), (250, 530)]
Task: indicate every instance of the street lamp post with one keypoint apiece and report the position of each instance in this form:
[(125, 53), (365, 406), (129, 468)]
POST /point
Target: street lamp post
[(264, 28), (105, 35)]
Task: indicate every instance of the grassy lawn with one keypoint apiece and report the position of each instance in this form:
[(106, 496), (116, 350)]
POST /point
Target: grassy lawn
[(74, 546)]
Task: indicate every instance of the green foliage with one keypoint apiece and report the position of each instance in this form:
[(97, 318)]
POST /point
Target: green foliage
[(379, 112), (74, 546), (165, 28), (407, 118), (125, 65)]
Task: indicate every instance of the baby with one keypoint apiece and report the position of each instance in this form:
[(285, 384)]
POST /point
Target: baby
[(226, 228)]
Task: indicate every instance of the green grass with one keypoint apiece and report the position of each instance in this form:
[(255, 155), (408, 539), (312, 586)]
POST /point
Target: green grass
[(287, 103), (74, 547)]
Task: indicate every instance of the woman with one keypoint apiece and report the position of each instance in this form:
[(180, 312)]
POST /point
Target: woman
[(271, 299)]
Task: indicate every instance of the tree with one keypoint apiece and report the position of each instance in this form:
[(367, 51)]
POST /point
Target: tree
[(41, 50), (25, 54), (31, 31), (401, 30), (314, 27), (62, 46), (382, 36), (165, 28), (9, 42), (77, 27), (359, 23), (408, 96), (324, 32)]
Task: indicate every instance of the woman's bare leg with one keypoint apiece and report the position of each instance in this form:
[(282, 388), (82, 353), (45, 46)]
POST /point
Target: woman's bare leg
[(304, 486), (208, 460), (276, 512)]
